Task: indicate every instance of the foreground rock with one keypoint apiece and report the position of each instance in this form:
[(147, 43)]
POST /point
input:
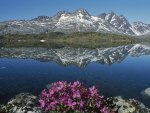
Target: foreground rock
[(129, 106), (27, 103), (22, 103)]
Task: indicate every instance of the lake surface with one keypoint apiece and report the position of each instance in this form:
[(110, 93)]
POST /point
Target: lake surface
[(116, 71)]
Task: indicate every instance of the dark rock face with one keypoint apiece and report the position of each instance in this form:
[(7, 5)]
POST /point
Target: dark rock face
[(78, 21), (41, 18)]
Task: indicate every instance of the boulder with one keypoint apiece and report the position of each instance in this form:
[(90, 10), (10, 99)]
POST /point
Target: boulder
[(129, 106), (22, 103)]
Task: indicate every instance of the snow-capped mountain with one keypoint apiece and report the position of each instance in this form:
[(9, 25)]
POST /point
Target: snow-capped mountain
[(77, 56), (141, 28), (78, 21)]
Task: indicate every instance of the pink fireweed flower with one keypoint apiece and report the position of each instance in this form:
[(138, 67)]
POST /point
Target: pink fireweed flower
[(51, 92), (98, 104), (67, 97), (42, 103), (71, 104), (77, 83), (64, 99), (76, 94), (44, 93), (81, 104), (61, 85), (53, 105), (93, 91)]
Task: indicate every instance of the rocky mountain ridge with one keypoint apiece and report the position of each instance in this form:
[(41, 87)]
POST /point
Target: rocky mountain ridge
[(77, 21)]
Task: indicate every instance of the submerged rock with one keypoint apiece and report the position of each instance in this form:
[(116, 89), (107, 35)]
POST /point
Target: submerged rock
[(22, 103), (146, 93)]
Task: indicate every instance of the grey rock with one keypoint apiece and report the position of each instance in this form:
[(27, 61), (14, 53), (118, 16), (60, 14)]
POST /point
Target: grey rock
[(22, 103), (2, 109), (129, 106)]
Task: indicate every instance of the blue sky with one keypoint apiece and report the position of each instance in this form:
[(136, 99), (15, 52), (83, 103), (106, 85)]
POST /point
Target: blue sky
[(133, 10)]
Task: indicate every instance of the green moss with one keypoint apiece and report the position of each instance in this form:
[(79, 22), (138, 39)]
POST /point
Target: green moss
[(57, 39)]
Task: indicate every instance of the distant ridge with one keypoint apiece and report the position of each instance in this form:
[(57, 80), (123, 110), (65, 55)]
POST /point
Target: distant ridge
[(78, 21)]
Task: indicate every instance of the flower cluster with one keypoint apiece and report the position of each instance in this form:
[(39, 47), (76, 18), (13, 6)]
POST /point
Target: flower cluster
[(66, 97)]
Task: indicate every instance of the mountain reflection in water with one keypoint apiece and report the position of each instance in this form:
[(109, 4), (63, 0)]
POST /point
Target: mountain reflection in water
[(77, 56)]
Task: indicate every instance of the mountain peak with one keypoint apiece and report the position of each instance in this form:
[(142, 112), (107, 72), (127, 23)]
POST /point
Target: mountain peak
[(103, 15), (41, 18), (112, 13), (122, 17), (62, 12), (139, 23), (82, 11)]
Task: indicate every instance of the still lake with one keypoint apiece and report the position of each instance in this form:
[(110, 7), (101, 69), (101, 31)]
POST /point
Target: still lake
[(116, 71)]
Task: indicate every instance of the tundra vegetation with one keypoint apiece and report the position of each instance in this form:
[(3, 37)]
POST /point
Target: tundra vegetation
[(57, 40)]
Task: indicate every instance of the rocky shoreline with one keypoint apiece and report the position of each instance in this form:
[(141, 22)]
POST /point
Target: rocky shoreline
[(28, 103)]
